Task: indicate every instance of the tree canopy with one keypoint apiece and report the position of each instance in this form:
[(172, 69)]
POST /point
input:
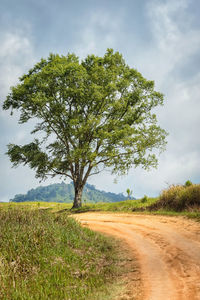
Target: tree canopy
[(92, 114)]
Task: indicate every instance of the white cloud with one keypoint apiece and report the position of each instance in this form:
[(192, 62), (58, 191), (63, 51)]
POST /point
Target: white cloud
[(174, 40), (14, 43), (16, 55), (100, 33)]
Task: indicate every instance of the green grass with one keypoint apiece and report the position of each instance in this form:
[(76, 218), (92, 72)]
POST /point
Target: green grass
[(127, 205), (53, 206), (180, 200), (50, 256), (143, 206), (122, 206)]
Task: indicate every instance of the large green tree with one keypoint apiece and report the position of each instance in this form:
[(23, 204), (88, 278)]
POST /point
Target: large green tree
[(93, 114)]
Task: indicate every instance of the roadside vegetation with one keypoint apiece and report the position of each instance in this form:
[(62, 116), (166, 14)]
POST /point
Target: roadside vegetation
[(50, 256), (122, 206), (180, 198), (176, 200)]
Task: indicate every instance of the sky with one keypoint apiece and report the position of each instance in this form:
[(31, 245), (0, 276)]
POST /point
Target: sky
[(160, 38)]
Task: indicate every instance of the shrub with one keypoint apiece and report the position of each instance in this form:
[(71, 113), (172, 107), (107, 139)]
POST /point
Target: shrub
[(144, 199), (180, 198), (188, 183)]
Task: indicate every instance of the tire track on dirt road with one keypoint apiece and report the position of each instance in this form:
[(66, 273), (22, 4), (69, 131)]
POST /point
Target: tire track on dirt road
[(167, 249)]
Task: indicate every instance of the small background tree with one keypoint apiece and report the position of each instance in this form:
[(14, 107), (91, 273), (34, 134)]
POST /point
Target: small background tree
[(93, 114), (129, 193)]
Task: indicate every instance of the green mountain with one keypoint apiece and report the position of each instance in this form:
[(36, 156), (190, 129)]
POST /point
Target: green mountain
[(62, 192)]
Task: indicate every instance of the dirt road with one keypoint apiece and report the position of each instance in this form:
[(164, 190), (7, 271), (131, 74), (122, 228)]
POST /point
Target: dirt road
[(167, 249)]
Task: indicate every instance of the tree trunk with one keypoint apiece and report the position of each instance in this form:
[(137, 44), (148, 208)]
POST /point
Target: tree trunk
[(78, 189)]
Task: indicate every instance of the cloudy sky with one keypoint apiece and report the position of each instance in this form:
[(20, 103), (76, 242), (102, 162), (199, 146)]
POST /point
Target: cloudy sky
[(160, 38)]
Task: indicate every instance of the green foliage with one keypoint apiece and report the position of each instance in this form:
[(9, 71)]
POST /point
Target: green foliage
[(48, 256), (188, 183), (179, 198), (92, 114), (129, 193), (144, 199), (64, 193)]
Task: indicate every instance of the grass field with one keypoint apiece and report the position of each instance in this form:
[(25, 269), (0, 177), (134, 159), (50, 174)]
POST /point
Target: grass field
[(127, 205), (50, 256), (123, 206), (144, 205)]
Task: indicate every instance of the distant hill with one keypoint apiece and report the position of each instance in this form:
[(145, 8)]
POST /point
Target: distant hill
[(62, 192)]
